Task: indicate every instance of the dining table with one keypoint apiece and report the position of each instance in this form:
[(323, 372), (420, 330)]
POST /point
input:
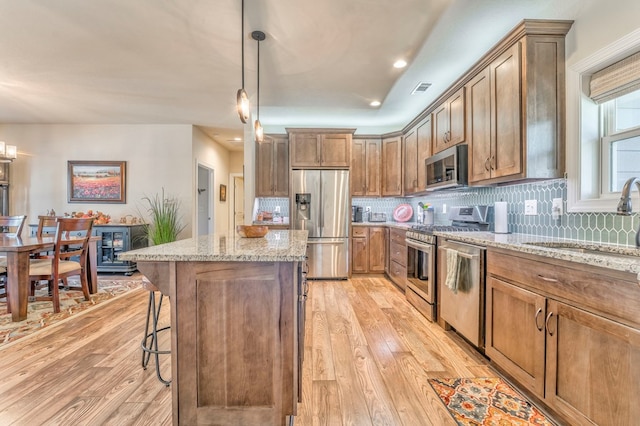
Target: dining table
[(18, 250)]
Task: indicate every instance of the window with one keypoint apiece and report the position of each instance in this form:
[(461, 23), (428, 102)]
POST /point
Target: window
[(620, 141)]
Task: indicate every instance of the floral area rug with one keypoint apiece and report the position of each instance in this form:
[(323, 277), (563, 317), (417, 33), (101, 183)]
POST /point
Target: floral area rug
[(40, 314), (486, 401)]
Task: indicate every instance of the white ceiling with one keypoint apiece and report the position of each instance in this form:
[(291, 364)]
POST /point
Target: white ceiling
[(179, 61)]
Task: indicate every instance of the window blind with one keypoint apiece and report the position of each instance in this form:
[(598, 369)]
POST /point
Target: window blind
[(616, 80)]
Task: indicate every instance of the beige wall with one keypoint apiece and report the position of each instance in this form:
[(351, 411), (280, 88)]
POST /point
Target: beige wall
[(157, 156)]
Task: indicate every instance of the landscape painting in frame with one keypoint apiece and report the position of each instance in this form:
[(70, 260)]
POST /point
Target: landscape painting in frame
[(96, 181)]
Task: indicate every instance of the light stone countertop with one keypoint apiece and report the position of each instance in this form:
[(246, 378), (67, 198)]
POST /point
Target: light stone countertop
[(276, 246), (388, 224), (551, 247)]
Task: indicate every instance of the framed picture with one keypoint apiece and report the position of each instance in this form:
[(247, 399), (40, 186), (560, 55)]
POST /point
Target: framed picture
[(223, 192), (96, 181)]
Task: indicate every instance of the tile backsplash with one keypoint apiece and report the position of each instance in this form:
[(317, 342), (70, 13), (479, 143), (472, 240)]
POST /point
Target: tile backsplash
[(598, 227)]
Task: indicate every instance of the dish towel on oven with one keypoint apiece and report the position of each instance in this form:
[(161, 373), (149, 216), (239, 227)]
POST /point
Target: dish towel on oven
[(457, 272)]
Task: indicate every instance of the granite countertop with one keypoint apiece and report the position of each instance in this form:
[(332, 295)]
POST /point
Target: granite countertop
[(551, 247), (276, 246), (270, 223), (399, 225)]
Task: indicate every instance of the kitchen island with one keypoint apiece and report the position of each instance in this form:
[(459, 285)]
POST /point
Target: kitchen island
[(235, 327)]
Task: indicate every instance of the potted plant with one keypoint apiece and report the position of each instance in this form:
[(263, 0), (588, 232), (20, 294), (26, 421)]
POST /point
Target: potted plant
[(165, 223)]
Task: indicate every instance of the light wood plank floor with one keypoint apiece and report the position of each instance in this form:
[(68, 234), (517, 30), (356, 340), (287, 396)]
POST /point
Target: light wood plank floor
[(368, 355)]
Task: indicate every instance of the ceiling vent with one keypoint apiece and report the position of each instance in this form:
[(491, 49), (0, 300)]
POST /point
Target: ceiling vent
[(421, 88)]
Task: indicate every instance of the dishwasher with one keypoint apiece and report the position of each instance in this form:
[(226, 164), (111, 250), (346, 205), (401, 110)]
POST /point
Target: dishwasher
[(462, 290)]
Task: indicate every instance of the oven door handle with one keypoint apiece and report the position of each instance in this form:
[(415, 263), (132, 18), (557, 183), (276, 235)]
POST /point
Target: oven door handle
[(463, 254), (426, 247)]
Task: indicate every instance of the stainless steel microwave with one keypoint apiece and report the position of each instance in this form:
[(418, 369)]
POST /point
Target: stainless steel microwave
[(447, 169)]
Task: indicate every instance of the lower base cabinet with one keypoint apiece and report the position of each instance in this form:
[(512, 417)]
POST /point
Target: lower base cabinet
[(368, 249), (583, 365), (397, 270)]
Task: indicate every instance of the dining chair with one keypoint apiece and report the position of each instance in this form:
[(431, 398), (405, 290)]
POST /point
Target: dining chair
[(11, 225), (71, 240)]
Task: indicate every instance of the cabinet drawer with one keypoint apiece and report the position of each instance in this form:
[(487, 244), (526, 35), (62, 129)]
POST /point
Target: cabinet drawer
[(398, 253), (398, 274), (583, 285), (397, 236), (359, 232)]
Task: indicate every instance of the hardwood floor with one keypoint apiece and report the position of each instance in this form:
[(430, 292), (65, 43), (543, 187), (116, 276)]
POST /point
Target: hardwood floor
[(368, 355)]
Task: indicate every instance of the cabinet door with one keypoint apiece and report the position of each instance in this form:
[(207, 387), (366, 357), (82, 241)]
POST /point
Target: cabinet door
[(440, 119), (424, 152), (372, 167), (377, 252), (264, 168), (360, 257), (392, 166), (304, 150), (456, 118), (515, 334), (593, 367), (411, 162), (358, 168), (335, 150), (479, 126), (280, 171), (507, 148)]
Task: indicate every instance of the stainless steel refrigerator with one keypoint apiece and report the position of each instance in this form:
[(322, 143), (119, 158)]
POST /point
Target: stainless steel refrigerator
[(320, 204)]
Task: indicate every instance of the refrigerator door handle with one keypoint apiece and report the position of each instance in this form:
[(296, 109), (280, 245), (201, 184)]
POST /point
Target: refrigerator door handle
[(321, 209)]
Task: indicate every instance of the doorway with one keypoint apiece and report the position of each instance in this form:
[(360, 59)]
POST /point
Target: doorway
[(238, 200), (204, 197)]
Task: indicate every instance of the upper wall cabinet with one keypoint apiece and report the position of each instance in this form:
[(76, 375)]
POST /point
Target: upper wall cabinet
[(516, 109), (417, 148), (320, 148), (365, 167), (449, 122), (272, 167), (392, 166)]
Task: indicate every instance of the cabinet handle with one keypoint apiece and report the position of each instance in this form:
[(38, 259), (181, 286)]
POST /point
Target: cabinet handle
[(538, 312), (550, 280), (546, 323), (486, 164), (493, 162)]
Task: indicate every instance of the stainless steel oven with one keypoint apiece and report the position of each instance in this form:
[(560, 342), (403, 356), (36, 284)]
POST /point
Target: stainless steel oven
[(421, 275)]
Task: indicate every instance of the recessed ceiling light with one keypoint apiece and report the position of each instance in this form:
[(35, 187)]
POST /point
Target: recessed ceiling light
[(237, 139), (375, 103), (400, 63)]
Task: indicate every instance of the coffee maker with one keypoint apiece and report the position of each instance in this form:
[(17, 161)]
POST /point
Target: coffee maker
[(356, 214)]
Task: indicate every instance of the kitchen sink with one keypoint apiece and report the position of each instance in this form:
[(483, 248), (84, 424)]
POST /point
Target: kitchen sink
[(629, 253)]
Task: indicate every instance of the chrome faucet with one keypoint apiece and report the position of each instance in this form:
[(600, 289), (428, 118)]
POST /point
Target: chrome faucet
[(624, 206)]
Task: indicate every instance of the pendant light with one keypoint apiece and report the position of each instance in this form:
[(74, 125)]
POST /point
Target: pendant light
[(242, 100), (258, 36)]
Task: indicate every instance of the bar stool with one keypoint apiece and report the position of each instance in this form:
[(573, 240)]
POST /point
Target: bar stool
[(150, 341)]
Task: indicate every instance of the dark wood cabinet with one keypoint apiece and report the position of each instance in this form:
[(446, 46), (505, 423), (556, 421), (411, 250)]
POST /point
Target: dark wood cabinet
[(365, 167), (392, 166), (320, 148), (272, 166)]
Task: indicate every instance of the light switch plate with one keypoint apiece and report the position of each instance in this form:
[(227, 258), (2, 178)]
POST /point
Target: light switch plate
[(530, 207)]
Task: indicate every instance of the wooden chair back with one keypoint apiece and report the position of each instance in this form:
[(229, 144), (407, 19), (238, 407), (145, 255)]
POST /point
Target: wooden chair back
[(46, 225), (12, 224), (72, 239)]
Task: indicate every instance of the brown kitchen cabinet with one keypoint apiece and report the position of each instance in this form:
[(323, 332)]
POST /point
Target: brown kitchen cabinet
[(369, 249), (567, 333), (449, 122), (365, 167), (417, 148), (516, 113), (272, 166), (320, 147), (391, 165), (398, 257)]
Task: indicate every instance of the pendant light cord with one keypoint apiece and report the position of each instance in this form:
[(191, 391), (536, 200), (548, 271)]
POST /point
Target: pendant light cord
[(258, 80), (242, 39)]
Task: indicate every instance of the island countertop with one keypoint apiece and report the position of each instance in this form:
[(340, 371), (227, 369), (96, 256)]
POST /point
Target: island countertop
[(276, 246)]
